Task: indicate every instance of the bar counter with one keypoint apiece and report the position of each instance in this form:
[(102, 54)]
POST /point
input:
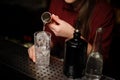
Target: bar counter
[(15, 58), (15, 64)]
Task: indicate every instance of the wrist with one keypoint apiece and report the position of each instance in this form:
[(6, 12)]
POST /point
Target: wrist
[(71, 33)]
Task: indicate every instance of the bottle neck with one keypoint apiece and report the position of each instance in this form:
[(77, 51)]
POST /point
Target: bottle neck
[(77, 34), (97, 40)]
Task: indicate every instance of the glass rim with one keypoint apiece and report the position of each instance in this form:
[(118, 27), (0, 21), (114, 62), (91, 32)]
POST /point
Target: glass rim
[(48, 33)]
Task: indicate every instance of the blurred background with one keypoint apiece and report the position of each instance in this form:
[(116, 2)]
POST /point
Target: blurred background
[(19, 19)]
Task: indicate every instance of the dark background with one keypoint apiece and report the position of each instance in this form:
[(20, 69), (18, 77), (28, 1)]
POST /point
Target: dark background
[(19, 19)]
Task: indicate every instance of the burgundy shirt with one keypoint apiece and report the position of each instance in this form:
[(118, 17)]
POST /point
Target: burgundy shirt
[(102, 16)]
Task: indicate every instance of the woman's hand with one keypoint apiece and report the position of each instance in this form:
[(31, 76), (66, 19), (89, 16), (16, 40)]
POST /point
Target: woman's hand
[(31, 53), (60, 27)]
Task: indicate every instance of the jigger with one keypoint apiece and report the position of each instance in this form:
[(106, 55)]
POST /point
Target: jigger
[(46, 17)]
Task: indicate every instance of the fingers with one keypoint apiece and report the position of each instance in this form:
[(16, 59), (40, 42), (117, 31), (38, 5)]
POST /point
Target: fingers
[(31, 53), (56, 18), (54, 25)]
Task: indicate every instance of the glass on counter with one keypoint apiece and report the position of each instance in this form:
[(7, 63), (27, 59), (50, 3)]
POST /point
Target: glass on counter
[(42, 41)]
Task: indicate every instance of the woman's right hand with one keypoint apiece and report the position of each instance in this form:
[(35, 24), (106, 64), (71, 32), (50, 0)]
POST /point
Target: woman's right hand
[(31, 53), (60, 27)]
